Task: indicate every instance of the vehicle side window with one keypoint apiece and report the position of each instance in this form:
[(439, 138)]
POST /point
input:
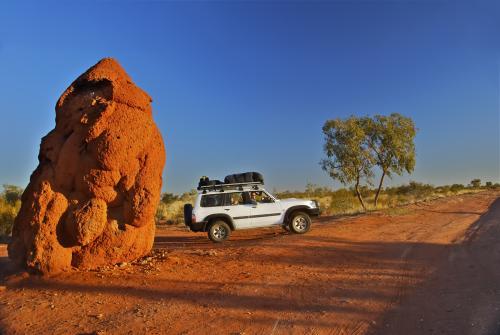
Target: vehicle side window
[(261, 197), (235, 198), (266, 198), (212, 200)]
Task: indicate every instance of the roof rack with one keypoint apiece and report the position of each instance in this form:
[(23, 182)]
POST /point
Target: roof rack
[(222, 187)]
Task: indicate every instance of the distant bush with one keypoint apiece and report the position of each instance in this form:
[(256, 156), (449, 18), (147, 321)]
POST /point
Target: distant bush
[(168, 198), (475, 183), (332, 202), (343, 201), (412, 188), (170, 210), (10, 203), (457, 187), (314, 190)]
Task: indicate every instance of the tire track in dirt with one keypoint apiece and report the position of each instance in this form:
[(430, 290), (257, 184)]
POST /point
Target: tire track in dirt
[(457, 296)]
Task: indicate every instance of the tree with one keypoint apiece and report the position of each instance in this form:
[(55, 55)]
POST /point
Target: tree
[(391, 138), (348, 159), (12, 193), (475, 183)]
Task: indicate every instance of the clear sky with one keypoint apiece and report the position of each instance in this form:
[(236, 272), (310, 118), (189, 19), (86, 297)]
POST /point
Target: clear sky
[(247, 86)]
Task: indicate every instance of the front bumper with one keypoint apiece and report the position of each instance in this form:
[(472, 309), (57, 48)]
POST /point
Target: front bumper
[(314, 211)]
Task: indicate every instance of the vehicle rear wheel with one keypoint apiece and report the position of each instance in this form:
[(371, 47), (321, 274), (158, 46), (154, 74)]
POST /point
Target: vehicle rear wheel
[(219, 231), (300, 223)]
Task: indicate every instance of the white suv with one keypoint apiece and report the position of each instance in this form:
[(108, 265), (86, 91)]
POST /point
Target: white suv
[(222, 208)]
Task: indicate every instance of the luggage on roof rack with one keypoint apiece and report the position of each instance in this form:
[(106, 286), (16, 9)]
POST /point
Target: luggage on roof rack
[(205, 181), (233, 180), (247, 177), (221, 187)]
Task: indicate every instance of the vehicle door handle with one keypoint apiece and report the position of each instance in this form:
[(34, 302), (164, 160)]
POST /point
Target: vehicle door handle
[(227, 209), (254, 206)]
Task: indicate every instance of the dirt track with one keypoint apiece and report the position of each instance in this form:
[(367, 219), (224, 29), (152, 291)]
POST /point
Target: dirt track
[(431, 269)]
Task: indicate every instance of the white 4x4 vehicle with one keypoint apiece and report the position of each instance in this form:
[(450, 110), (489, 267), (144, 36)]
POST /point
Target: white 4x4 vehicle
[(222, 208)]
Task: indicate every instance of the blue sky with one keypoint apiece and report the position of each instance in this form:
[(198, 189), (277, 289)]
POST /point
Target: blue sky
[(244, 86)]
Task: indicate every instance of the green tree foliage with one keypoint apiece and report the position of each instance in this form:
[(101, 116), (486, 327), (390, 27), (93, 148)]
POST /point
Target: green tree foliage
[(391, 139), (168, 198), (12, 193), (10, 202), (475, 183), (355, 145), (348, 158)]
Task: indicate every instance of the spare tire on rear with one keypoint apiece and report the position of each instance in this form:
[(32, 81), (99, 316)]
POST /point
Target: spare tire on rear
[(188, 214)]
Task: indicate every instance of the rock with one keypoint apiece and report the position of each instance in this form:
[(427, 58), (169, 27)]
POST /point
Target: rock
[(91, 200)]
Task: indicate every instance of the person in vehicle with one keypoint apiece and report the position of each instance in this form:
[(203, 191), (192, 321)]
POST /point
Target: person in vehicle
[(236, 199)]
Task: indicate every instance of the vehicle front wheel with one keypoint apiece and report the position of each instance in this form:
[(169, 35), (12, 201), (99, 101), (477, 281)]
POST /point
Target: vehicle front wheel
[(219, 231), (300, 223)]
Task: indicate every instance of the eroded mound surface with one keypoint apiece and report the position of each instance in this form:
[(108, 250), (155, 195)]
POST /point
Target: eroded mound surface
[(91, 200)]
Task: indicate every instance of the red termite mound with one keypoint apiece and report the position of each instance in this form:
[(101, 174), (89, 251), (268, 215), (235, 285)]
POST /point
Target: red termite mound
[(91, 201)]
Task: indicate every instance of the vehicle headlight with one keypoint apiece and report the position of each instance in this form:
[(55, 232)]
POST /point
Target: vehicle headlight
[(314, 204)]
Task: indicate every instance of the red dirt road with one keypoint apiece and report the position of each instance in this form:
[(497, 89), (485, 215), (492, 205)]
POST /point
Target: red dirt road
[(434, 268)]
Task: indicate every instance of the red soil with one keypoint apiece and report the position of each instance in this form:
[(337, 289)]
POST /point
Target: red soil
[(431, 269)]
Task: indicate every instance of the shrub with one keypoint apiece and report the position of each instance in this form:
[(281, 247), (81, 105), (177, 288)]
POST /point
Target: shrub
[(168, 198), (10, 203), (8, 213), (475, 183), (161, 211), (414, 189), (342, 201), (171, 207), (456, 187)]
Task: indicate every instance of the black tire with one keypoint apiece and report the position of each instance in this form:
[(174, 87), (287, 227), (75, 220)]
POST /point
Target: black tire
[(230, 179), (246, 177), (258, 177), (219, 231), (188, 214), (300, 223)]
